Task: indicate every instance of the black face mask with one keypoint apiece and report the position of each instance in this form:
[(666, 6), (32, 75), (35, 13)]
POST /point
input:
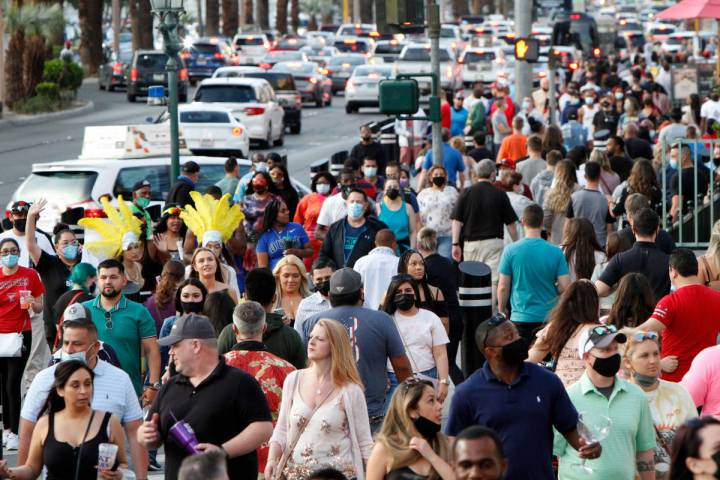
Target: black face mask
[(404, 301), (260, 190), (192, 307), (438, 181), (19, 225), (607, 367), (513, 354), (393, 193), (323, 287), (426, 427)]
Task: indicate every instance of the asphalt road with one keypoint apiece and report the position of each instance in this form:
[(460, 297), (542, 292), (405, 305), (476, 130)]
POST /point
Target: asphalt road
[(325, 131)]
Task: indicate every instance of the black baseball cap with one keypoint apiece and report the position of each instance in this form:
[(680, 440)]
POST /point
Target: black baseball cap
[(186, 327), (20, 207), (190, 167), (141, 184)]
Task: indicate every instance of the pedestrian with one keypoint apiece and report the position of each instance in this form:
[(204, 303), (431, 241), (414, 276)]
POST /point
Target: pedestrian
[(695, 450), (335, 208), (224, 406), (619, 161), (531, 166), (573, 132), (308, 210), (511, 182), (581, 248), (539, 403), (161, 304), (373, 336), (478, 454), (607, 118), (210, 465), (629, 446), (532, 273), (543, 180), (260, 192), (141, 198), (179, 193), (614, 245), (437, 204), (112, 390), (673, 132), (84, 278), (259, 165), (398, 215), (18, 218), (458, 114), (291, 287), (633, 204), (452, 161), (206, 267), (609, 180), (328, 395), (590, 203), (575, 312), (368, 148), (709, 264), (229, 183), (586, 113), (514, 145), (410, 134), (642, 181), (169, 236), (670, 404), (280, 236), (552, 139), (218, 308), (70, 417), (378, 267), (635, 146), (500, 124), (250, 355), (322, 270), (431, 297), (458, 143), (479, 152), (285, 189), (689, 185), (557, 200), (702, 381), (410, 444)]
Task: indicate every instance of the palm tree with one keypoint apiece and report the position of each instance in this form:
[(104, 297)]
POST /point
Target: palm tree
[(212, 17), (294, 15), (261, 14), (460, 7), (315, 8), (142, 22), (248, 12), (91, 34), (281, 16), (229, 17)]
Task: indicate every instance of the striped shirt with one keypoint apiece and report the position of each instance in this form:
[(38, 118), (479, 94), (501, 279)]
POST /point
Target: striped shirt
[(112, 392)]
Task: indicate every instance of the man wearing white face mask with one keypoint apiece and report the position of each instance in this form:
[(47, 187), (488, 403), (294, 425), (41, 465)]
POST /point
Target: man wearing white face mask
[(112, 389), (528, 112)]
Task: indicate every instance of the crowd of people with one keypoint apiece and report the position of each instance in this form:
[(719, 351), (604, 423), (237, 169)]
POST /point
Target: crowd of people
[(248, 331)]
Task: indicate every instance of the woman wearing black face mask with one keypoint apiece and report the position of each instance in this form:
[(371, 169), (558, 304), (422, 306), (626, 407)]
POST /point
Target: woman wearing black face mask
[(696, 450), (421, 332), (189, 298), (409, 444), (436, 206), (398, 215)]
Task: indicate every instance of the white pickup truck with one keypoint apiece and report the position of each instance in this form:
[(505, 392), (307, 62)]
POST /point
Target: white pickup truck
[(415, 58)]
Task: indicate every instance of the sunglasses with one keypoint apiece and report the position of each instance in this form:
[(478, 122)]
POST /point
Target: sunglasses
[(108, 321), (412, 381), (604, 329), (642, 336), (494, 321)]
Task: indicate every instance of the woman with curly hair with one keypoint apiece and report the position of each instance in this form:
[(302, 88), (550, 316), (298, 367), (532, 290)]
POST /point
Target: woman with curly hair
[(642, 180), (558, 198), (581, 248), (576, 311), (161, 304)]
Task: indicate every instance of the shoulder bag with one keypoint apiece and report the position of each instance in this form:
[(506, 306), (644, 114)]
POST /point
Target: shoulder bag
[(418, 375), (11, 344)]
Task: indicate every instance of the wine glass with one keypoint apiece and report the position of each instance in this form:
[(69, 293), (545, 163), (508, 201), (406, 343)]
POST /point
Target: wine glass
[(592, 430)]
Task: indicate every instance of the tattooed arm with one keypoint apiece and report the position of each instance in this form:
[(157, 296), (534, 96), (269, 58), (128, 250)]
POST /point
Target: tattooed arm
[(645, 465)]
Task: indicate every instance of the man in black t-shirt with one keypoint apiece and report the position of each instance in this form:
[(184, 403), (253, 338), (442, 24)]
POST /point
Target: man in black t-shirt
[(224, 406), (480, 153), (368, 148), (619, 162)]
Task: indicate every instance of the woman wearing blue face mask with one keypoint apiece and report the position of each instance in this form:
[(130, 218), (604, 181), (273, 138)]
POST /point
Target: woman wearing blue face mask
[(54, 269), (20, 290), (82, 277)]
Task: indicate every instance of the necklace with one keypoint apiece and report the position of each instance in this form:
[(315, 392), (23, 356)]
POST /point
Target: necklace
[(320, 386)]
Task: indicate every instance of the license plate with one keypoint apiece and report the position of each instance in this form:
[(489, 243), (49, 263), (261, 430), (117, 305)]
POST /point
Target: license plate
[(344, 74), (201, 61), (207, 142), (472, 68), (158, 77)]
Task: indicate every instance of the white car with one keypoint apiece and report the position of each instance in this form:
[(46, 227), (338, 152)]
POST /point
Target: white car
[(252, 100), (249, 49), (212, 130), (451, 37), (235, 71), (481, 64), (363, 87), (352, 29)]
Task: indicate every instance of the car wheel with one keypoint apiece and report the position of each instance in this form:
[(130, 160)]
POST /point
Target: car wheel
[(319, 101), (131, 98), (100, 84), (193, 82), (110, 88), (349, 108), (295, 129), (329, 101), (281, 140)]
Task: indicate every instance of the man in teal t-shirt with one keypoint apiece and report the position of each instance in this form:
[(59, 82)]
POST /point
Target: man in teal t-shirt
[(532, 271)]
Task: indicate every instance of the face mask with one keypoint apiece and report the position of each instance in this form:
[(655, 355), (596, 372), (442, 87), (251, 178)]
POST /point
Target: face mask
[(370, 171), (323, 287), (142, 202), (404, 182), (356, 210), (10, 261), (673, 164), (80, 356), (589, 100), (404, 301), (619, 95), (652, 134), (527, 105), (19, 225), (426, 427), (261, 167), (513, 354), (627, 107), (323, 188), (438, 181), (192, 307), (607, 367), (259, 187), (393, 193), (70, 252), (644, 380)]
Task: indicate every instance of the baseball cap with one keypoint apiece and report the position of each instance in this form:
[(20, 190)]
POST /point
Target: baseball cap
[(77, 312), (140, 184), (19, 207), (345, 280), (598, 337), (460, 95), (190, 167), (189, 326)]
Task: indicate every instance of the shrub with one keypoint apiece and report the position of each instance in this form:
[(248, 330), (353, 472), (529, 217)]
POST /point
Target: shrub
[(37, 104), (67, 75), (48, 89)]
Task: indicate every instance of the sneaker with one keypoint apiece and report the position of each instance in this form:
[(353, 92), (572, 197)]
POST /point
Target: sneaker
[(154, 466), (5, 436), (13, 441)]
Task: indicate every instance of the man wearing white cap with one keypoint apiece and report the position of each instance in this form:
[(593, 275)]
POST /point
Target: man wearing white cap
[(600, 395)]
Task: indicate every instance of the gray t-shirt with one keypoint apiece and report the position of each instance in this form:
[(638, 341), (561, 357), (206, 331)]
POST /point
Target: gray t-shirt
[(529, 168), (499, 118), (593, 205), (374, 338)]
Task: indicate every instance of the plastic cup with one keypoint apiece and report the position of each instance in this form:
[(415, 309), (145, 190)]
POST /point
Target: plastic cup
[(184, 435), (25, 299), (106, 456)]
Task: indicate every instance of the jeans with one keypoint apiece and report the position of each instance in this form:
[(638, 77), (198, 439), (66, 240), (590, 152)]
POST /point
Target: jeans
[(444, 246), (11, 373), (394, 383)]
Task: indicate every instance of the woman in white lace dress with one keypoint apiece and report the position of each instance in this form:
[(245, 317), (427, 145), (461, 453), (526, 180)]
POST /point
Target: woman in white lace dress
[(323, 420)]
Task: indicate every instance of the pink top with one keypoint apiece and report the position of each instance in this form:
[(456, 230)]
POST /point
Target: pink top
[(702, 381)]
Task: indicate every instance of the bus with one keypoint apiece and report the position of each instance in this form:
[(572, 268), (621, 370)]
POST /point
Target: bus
[(577, 30)]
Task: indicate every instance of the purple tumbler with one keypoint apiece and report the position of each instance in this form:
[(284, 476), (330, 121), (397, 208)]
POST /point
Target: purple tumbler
[(184, 435)]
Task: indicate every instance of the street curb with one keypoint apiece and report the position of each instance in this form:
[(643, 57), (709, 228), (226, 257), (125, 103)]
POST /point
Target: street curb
[(20, 120)]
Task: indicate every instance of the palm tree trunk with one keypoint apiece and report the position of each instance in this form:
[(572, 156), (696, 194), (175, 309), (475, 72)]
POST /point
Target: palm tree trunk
[(14, 88), (201, 24), (248, 12), (212, 17), (312, 23), (281, 16), (262, 15), (229, 18), (460, 7), (295, 15), (33, 63), (145, 24), (90, 14), (366, 11)]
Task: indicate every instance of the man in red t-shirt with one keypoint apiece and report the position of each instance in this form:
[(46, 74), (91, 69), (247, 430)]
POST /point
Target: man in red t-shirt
[(688, 317)]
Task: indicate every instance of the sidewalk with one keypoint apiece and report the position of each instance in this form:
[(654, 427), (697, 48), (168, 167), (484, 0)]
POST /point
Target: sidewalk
[(15, 120)]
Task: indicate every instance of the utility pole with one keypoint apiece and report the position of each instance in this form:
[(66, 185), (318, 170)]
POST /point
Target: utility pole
[(356, 11), (523, 70), (116, 26), (346, 11), (433, 23)]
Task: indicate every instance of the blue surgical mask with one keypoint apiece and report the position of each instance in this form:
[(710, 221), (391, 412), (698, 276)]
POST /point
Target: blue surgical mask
[(370, 171), (323, 188), (10, 260), (355, 210), (70, 252), (80, 356), (589, 100), (261, 167), (673, 164)]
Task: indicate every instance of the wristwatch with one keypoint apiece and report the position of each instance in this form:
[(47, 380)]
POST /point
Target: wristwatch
[(445, 381), (456, 244)]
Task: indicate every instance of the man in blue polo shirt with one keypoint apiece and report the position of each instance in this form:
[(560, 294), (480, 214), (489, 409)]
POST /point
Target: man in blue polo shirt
[(452, 160), (521, 401)]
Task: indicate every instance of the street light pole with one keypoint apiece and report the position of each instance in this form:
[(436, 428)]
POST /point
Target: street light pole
[(433, 16), (168, 13)]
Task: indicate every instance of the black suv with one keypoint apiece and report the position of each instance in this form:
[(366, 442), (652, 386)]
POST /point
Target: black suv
[(148, 69), (288, 96)]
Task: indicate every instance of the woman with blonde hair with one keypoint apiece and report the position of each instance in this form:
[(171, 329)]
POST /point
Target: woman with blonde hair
[(558, 198), (409, 444), (291, 286), (458, 143), (609, 180), (206, 268), (709, 264), (323, 420)]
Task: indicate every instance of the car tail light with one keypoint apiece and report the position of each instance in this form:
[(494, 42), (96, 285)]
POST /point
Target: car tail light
[(237, 131), (298, 100), (251, 111), (574, 66), (218, 56), (328, 71), (118, 67), (185, 55), (313, 80), (596, 52), (134, 74), (90, 209), (461, 61), (266, 66), (183, 75)]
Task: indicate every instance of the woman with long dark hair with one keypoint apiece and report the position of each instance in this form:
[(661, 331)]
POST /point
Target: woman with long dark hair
[(260, 191), (553, 140), (614, 244), (581, 248), (280, 236), (169, 235), (219, 309), (190, 297), (576, 311), (160, 304), (643, 179), (286, 191), (431, 297), (634, 302), (66, 441), (696, 450)]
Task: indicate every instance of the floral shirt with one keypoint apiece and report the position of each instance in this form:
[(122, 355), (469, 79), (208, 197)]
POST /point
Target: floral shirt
[(436, 208), (254, 209)]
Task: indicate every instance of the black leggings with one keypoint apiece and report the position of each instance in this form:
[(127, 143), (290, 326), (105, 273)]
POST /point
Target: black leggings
[(11, 373)]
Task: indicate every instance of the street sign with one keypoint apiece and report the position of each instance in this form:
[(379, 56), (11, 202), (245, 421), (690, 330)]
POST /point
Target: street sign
[(527, 49), (399, 97)]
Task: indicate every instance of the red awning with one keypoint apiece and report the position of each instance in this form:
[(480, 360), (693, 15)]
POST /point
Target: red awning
[(691, 9)]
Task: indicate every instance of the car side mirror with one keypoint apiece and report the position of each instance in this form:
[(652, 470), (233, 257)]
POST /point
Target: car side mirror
[(149, 119)]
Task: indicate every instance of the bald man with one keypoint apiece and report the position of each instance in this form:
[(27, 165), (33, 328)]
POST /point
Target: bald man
[(378, 267)]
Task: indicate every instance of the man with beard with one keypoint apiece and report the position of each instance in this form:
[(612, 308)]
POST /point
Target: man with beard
[(127, 326), (521, 401)]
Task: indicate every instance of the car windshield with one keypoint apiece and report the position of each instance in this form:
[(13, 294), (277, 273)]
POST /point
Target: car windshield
[(306, 68), (249, 41), (447, 32), (423, 55), (71, 187), (350, 60), (373, 71), (152, 60), (208, 48), (278, 81), (204, 117), (388, 48), (225, 93), (125, 56), (473, 57)]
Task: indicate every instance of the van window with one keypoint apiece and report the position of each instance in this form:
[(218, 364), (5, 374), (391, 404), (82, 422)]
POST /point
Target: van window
[(225, 93), (157, 175), (204, 117), (240, 41), (207, 48), (152, 60), (71, 187), (279, 81)]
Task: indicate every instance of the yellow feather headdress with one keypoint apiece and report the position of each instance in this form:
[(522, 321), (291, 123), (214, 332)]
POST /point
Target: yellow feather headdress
[(120, 228), (210, 219)]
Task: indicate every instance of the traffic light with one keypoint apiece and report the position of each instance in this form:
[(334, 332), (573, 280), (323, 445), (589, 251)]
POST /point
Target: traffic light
[(527, 49), (399, 97), (407, 16)]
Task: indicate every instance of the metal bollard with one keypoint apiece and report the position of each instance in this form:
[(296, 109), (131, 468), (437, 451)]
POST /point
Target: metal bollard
[(475, 298)]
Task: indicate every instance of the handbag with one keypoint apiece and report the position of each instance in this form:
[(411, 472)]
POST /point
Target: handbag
[(418, 375), (11, 344)]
